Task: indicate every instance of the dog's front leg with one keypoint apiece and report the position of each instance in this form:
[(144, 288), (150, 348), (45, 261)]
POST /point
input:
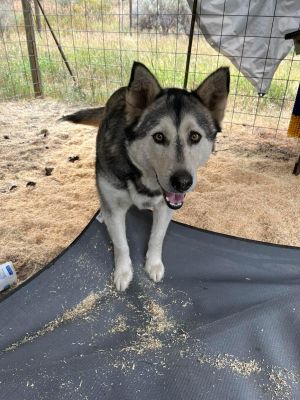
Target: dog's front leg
[(154, 267), (115, 222)]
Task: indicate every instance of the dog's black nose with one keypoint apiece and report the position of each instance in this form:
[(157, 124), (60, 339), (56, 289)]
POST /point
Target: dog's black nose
[(181, 181)]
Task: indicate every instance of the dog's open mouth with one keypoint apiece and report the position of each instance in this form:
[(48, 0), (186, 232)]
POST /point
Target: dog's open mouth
[(174, 200)]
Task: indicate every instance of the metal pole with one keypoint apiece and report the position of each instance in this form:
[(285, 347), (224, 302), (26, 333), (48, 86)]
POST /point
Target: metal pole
[(32, 51), (37, 17), (188, 58), (57, 43)]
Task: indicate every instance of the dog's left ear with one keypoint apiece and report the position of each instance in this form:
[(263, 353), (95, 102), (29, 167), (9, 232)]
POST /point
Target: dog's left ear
[(213, 92), (141, 91)]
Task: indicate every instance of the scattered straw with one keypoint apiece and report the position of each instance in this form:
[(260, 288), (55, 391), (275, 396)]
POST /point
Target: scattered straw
[(279, 380), (119, 325), (157, 323), (280, 383), (221, 361), (80, 310)]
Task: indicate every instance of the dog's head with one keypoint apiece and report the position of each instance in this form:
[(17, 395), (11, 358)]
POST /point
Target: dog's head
[(171, 132)]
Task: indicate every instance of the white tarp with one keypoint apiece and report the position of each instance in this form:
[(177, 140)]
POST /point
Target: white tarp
[(250, 33)]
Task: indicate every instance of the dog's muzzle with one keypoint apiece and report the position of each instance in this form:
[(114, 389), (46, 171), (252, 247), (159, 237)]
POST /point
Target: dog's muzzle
[(173, 200)]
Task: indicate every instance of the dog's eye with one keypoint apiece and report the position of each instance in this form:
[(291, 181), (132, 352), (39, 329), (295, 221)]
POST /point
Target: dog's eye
[(159, 137), (195, 137)]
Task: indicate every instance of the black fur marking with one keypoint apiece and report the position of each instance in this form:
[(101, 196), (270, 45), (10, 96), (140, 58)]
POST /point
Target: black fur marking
[(179, 150), (135, 176), (176, 104), (142, 189)]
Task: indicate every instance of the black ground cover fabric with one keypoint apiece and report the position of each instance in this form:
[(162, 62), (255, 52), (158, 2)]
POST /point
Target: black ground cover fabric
[(223, 324)]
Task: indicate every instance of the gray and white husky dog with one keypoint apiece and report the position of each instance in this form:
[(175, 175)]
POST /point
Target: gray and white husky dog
[(149, 145)]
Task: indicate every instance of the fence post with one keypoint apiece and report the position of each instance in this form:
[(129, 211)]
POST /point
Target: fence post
[(32, 51)]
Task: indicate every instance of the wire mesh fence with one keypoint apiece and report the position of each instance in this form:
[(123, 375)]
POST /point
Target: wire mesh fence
[(101, 39)]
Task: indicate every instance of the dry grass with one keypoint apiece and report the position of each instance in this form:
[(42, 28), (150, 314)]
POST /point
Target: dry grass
[(38, 222)]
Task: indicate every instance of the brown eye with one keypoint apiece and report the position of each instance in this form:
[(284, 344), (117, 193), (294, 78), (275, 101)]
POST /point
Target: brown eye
[(159, 137), (195, 137)]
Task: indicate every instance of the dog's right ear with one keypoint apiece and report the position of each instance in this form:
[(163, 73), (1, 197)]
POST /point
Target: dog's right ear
[(141, 91)]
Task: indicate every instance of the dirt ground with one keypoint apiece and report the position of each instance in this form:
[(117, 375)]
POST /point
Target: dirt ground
[(47, 197)]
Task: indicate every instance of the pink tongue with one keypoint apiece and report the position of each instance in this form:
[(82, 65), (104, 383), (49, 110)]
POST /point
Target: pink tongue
[(175, 197)]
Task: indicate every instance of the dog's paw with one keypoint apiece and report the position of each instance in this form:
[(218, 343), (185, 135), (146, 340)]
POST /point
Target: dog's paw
[(122, 278), (155, 271)]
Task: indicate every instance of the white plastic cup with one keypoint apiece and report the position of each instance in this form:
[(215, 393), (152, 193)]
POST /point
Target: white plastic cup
[(8, 275)]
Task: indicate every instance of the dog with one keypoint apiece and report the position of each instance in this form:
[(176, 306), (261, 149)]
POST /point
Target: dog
[(149, 146)]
